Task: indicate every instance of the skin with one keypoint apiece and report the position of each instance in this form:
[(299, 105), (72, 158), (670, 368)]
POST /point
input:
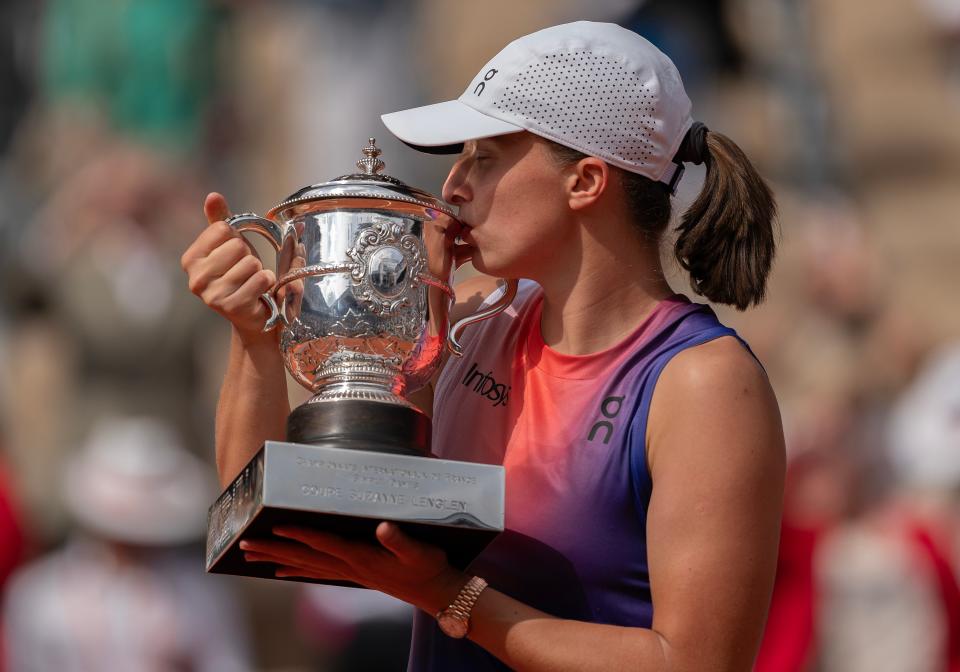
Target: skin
[(714, 443)]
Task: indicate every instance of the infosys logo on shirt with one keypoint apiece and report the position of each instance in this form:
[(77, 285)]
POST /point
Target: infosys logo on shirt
[(484, 385)]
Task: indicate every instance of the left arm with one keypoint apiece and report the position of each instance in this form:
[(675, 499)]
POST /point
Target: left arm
[(715, 452)]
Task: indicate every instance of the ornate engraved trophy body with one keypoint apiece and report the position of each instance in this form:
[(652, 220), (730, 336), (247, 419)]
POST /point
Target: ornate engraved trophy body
[(363, 321)]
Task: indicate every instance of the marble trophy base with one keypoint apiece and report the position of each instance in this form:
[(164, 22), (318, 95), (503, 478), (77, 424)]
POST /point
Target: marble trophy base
[(458, 506)]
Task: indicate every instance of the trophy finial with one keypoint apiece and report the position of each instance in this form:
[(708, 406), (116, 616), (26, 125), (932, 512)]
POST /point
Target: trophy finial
[(370, 164)]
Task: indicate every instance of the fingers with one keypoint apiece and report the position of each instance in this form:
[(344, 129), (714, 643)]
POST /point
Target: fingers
[(283, 571), (450, 226), (295, 560), (440, 238), (258, 283), (462, 253), (203, 268), (215, 208), (209, 240), (300, 573), (320, 541), (228, 278), (237, 294), (226, 255)]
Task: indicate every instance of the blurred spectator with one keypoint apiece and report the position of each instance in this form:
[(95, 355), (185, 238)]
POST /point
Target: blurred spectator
[(945, 15), (11, 529), (124, 594), (890, 598), (11, 543), (311, 80), (112, 331), (924, 439), (696, 35), (16, 20), (356, 629), (818, 495), (145, 66), (879, 608)]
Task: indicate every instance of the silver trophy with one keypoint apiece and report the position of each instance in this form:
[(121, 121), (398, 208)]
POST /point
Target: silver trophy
[(364, 319)]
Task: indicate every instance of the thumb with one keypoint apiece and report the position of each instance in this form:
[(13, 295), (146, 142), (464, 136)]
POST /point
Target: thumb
[(399, 543), (215, 208)]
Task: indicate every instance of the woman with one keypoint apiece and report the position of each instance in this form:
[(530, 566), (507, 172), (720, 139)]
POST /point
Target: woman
[(641, 439)]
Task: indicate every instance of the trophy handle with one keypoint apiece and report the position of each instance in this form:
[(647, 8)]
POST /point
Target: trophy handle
[(249, 221), (456, 331)]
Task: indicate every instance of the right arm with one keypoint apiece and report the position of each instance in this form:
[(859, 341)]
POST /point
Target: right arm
[(253, 405), (225, 273)]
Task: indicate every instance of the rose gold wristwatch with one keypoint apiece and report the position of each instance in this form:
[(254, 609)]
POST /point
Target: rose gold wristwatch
[(454, 621)]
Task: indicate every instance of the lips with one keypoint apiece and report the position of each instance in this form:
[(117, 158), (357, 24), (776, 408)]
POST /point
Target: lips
[(465, 229)]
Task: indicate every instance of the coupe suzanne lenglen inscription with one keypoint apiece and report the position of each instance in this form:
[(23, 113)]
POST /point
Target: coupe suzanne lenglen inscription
[(384, 485)]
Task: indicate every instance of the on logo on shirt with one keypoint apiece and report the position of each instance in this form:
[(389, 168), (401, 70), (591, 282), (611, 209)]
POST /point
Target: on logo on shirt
[(609, 408)]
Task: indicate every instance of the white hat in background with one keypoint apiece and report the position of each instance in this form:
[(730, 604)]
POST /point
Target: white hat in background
[(132, 482), (924, 431), (595, 87)]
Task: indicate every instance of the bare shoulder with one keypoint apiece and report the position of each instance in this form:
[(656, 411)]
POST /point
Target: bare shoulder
[(718, 394), (471, 293), (722, 363)]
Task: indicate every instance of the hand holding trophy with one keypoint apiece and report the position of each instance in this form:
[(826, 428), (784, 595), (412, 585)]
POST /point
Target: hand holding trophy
[(362, 298)]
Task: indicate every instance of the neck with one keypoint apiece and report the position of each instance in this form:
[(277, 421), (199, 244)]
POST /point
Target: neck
[(601, 290)]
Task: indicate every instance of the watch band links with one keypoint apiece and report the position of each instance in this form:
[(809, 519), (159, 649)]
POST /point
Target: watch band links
[(467, 597)]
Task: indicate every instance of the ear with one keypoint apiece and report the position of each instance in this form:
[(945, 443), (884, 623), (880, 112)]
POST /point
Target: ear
[(587, 180)]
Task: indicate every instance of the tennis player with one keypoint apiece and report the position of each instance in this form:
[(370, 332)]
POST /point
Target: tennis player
[(642, 442)]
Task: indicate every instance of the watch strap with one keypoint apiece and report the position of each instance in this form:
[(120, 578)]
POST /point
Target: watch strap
[(462, 605)]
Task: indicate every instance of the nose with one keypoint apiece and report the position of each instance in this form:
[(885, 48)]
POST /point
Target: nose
[(456, 189)]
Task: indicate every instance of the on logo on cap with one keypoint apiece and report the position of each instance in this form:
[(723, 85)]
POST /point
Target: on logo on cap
[(486, 78)]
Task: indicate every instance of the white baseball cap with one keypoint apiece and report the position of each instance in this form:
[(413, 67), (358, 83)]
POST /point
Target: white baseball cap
[(595, 87), (133, 482)]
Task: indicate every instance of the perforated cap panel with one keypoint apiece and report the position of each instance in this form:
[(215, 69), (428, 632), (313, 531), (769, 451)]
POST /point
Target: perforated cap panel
[(596, 104)]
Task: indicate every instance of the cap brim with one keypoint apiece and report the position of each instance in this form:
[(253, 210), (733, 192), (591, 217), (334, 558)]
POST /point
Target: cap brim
[(442, 128)]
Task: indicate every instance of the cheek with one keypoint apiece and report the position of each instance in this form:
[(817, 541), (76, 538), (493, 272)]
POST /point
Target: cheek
[(520, 233), (525, 208)]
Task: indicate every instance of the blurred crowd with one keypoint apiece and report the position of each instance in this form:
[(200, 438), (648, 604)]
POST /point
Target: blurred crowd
[(116, 118)]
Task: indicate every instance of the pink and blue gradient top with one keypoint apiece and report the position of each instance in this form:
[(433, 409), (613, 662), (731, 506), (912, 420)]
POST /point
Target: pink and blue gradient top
[(571, 434)]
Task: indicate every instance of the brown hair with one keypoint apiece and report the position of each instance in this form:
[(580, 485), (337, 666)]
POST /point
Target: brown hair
[(725, 238)]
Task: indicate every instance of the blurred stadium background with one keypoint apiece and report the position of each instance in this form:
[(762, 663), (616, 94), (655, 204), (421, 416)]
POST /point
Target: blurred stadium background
[(117, 117)]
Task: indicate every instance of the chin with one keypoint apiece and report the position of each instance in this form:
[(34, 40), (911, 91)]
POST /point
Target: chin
[(481, 262), (498, 268)]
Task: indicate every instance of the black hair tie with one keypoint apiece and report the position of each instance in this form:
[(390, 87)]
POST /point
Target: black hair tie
[(693, 149)]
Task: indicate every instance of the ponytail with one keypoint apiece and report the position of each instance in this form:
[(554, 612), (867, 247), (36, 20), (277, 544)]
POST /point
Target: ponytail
[(726, 240)]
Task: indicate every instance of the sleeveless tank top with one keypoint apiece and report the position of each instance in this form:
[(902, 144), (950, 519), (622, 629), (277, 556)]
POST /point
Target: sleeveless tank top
[(571, 434)]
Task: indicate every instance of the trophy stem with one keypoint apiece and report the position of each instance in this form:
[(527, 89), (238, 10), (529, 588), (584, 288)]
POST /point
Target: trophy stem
[(350, 375)]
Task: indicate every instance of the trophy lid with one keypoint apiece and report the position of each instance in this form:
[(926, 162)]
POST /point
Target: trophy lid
[(369, 183)]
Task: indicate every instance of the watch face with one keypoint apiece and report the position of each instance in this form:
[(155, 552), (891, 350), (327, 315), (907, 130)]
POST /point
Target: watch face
[(452, 626)]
